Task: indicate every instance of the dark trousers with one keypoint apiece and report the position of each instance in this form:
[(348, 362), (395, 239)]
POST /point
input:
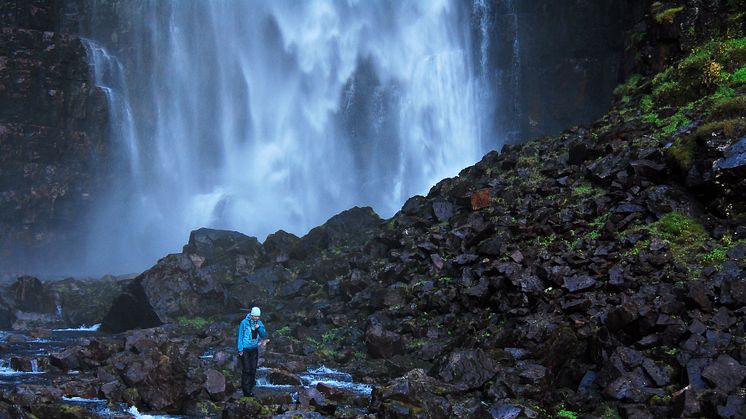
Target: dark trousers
[(248, 370)]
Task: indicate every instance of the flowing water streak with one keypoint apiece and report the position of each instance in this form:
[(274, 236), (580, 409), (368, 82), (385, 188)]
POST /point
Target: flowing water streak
[(256, 116)]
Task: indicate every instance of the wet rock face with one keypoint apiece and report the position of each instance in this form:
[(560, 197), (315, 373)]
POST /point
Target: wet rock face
[(53, 123), (570, 83), (30, 295)]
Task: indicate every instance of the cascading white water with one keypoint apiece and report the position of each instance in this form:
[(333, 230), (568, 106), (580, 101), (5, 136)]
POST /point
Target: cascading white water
[(257, 116)]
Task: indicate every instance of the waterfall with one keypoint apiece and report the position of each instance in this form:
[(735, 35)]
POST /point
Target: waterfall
[(257, 116)]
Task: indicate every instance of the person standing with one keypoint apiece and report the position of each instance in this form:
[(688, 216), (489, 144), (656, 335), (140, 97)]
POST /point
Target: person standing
[(250, 333)]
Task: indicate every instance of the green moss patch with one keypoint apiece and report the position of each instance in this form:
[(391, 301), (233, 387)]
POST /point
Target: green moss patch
[(192, 324), (682, 151), (668, 15), (687, 240)]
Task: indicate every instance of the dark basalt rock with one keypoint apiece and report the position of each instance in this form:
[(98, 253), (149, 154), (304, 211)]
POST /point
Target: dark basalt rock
[(380, 341), (130, 310), (278, 245), (30, 296), (469, 368), (413, 393), (725, 373), (223, 247)]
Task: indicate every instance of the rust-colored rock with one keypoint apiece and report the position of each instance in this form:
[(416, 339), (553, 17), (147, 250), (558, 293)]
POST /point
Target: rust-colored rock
[(480, 199)]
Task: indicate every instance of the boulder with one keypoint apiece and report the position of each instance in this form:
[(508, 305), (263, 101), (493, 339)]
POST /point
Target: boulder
[(172, 289), (414, 395), (381, 342), (480, 199), (443, 210), (221, 247), (725, 373), (278, 245), (31, 296), (467, 368), (350, 227), (214, 384)]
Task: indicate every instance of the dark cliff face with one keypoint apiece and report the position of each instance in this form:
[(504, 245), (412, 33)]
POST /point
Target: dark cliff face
[(52, 134), (556, 62)]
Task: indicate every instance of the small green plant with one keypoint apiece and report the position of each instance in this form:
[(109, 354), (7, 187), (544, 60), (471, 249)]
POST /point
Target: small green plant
[(646, 103), (547, 241), (715, 257), (329, 336), (584, 189), (626, 89), (652, 118), (192, 323), (677, 121), (567, 414), (416, 344), (739, 76), (284, 330)]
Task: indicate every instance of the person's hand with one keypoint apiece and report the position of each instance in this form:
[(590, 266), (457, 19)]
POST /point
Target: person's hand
[(240, 353), (256, 326)]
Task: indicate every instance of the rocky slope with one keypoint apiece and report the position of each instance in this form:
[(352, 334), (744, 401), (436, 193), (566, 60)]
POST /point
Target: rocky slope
[(599, 273)]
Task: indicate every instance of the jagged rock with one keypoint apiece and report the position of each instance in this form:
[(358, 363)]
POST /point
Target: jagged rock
[(214, 384), (413, 393), (630, 387), (278, 245), (443, 210), (222, 247), (578, 283), (725, 373), (620, 317), (353, 226), (171, 289), (650, 170), (470, 368), (734, 159), (734, 407), (278, 376), (480, 199), (30, 296), (381, 342)]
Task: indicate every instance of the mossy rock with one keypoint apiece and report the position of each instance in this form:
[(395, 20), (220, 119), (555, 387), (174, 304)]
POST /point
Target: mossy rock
[(729, 109), (682, 152)]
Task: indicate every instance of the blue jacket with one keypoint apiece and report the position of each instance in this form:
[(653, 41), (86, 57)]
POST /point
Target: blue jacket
[(244, 339)]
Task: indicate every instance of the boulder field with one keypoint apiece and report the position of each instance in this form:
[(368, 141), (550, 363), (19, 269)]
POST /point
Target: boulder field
[(600, 273)]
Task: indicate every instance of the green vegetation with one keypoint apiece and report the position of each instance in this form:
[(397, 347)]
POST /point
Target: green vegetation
[(739, 76), (715, 257), (329, 336), (567, 414), (677, 121), (262, 409), (682, 151), (672, 351), (584, 189), (668, 15), (416, 344), (546, 241), (192, 324), (284, 330), (688, 241), (626, 89)]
